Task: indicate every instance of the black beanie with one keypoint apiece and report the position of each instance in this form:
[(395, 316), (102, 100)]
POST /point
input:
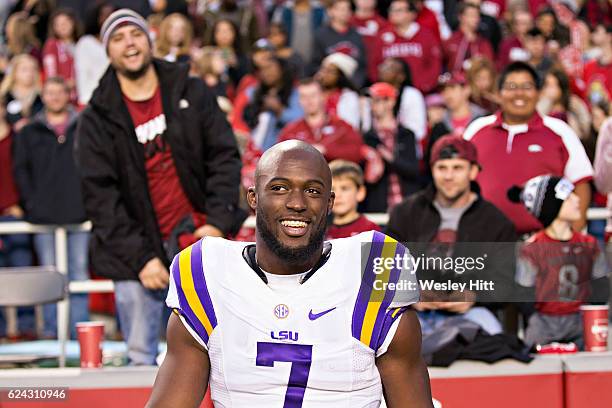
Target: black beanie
[(543, 196)]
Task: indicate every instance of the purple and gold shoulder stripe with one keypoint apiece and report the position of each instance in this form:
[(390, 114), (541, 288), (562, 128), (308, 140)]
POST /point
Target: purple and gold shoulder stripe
[(372, 315), (194, 299)]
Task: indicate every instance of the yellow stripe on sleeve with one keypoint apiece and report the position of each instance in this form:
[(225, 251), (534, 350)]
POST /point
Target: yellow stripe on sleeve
[(189, 289)]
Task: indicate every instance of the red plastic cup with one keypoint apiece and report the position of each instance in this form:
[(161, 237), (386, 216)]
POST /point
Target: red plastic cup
[(595, 326), (90, 335)]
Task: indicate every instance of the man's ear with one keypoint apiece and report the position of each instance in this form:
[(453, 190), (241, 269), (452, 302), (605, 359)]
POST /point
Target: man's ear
[(330, 202), (252, 197), (361, 193), (474, 170)]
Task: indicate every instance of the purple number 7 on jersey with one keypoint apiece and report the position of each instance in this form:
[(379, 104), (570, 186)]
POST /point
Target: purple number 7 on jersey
[(300, 355)]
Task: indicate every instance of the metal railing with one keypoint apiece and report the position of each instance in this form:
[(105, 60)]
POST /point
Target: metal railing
[(106, 286)]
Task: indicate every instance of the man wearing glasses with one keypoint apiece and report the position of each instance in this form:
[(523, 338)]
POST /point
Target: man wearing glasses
[(516, 143)]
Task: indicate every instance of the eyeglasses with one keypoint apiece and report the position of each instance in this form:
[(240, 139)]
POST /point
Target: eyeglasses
[(398, 9), (511, 86)]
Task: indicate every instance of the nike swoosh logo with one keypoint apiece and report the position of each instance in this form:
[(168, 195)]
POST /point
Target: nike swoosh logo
[(315, 316)]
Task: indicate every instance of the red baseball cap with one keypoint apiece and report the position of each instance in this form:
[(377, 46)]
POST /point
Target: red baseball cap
[(382, 90), (449, 79), (453, 147)]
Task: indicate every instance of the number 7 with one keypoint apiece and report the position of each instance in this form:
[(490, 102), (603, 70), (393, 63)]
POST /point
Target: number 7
[(300, 355)]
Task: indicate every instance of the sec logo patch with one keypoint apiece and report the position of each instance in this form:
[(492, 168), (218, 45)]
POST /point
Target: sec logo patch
[(281, 311)]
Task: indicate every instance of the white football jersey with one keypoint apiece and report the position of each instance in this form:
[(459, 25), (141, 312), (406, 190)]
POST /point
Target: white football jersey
[(313, 347)]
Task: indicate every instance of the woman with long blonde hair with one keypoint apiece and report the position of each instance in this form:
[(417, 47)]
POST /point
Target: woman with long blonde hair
[(20, 89), (173, 42)]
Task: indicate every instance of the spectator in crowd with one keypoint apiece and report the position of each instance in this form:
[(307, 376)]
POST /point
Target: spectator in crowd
[(274, 103), (58, 52), (565, 267), (537, 57), (49, 187), (211, 67), (448, 212), (150, 172), (596, 11), (488, 27), (397, 147), (173, 43), (410, 105), (338, 36), (465, 42), (341, 98), (15, 249), (241, 17), (528, 145), (369, 24), (436, 109), (301, 19), (20, 89), (427, 18), (598, 73), (279, 40), (332, 136), (226, 38), (557, 36), (20, 37), (350, 191), (597, 41), (603, 176), (37, 12), (460, 112), (90, 60), (512, 47), (414, 44), (482, 76), (557, 100)]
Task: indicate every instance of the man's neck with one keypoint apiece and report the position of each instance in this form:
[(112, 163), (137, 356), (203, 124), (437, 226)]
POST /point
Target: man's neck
[(56, 118), (339, 27), (364, 13), (606, 55), (515, 120), (316, 120), (560, 230), (346, 218), (402, 29), (140, 89), (271, 263), (461, 112), (468, 33), (302, 6), (463, 201)]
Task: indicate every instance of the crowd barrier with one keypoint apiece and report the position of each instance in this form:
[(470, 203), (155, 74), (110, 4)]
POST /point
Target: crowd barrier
[(106, 286), (553, 381)]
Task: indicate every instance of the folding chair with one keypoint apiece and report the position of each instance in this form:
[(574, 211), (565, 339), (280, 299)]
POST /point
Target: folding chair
[(31, 286)]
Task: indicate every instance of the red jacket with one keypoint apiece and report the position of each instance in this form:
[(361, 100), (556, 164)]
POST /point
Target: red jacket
[(369, 29), (337, 137), (421, 50), (58, 60), (458, 49)]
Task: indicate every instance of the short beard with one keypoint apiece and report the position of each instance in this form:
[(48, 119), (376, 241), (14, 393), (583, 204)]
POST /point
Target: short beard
[(456, 197), (293, 256), (139, 73)]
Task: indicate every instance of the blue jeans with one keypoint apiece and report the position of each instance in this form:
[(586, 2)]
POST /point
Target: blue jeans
[(77, 271), (140, 313), (482, 316), (16, 251)]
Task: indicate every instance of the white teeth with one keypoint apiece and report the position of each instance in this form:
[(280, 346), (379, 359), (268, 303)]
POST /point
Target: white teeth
[(294, 224)]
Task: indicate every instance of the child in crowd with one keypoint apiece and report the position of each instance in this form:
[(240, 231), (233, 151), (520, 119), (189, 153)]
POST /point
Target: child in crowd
[(558, 262), (348, 185)]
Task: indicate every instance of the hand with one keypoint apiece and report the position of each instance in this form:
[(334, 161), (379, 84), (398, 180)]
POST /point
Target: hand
[(208, 231), (154, 275), (273, 103), (14, 210), (20, 124), (320, 148), (386, 154)]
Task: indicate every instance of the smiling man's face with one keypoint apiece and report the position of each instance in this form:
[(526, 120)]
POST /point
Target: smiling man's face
[(292, 199), (519, 97), (129, 51)]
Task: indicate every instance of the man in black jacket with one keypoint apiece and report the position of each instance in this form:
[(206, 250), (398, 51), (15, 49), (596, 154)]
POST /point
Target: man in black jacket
[(157, 158), (442, 219), (50, 191)]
